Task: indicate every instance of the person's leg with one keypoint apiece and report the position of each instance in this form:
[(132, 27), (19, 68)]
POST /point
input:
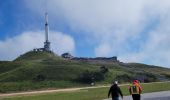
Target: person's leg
[(115, 98), (133, 96), (138, 96)]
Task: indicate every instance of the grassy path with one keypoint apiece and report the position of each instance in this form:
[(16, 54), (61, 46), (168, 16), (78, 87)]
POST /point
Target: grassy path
[(84, 93), (49, 91)]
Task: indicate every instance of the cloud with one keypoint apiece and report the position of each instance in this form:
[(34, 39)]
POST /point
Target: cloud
[(103, 50), (156, 48), (101, 20), (15, 46), (136, 31)]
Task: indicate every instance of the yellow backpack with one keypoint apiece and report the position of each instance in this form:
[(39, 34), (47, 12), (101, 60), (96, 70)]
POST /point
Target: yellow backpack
[(134, 89)]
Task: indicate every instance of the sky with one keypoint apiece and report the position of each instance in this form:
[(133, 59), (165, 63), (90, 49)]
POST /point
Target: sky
[(133, 30)]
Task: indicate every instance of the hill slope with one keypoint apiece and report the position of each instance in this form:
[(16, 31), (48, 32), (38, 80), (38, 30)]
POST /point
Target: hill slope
[(37, 68)]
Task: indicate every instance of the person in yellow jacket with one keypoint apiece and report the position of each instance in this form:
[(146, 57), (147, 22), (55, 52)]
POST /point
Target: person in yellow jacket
[(135, 90)]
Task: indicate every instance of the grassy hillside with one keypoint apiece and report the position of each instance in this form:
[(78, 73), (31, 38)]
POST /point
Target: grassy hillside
[(37, 70), (37, 56), (51, 67)]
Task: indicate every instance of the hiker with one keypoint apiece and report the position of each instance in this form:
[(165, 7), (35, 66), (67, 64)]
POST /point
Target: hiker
[(115, 91), (135, 90)]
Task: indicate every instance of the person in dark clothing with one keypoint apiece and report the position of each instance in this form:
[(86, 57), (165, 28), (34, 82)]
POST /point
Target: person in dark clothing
[(115, 91)]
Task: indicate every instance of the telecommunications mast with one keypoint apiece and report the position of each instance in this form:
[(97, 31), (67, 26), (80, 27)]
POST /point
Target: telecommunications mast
[(46, 43)]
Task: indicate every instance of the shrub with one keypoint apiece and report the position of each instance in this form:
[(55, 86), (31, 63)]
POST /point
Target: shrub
[(39, 77), (91, 76), (85, 77), (124, 78), (104, 69)]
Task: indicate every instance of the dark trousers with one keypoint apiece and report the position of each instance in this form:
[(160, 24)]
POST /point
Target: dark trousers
[(136, 96), (115, 98)]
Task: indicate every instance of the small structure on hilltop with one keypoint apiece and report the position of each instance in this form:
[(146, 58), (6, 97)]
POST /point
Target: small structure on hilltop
[(86, 59), (46, 43), (97, 59), (67, 56)]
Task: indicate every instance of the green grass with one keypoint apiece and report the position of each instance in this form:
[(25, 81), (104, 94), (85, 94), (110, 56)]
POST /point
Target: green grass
[(37, 56), (89, 94), (8, 87), (21, 74), (150, 68)]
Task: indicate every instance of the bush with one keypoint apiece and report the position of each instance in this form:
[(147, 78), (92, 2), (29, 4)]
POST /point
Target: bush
[(98, 76), (149, 77), (104, 69), (85, 77), (91, 76), (124, 78), (167, 75), (39, 77)]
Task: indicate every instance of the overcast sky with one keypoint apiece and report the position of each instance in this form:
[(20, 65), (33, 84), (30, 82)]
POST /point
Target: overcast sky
[(132, 30)]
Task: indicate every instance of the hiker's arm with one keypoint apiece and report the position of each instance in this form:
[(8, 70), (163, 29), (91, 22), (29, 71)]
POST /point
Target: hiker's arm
[(140, 89), (109, 92), (130, 90), (120, 93)]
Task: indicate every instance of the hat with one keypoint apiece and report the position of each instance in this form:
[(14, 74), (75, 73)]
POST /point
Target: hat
[(116, 82), (135, 81)]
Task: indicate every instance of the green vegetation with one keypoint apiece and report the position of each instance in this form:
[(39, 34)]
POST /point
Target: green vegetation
[(43, 70), (28, 85), (89, 94)]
